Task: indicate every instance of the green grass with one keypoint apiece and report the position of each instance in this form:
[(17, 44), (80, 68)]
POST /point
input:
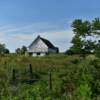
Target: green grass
[(73, 77)]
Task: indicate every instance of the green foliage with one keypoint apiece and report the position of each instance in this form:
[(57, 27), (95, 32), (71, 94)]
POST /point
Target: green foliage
[(84, 30), (22, 50), (18, 51), (89, 46), (96, 26), (97, 50), (73, 78), (81, 28), (3, 49), (77, 45), (83, 92)]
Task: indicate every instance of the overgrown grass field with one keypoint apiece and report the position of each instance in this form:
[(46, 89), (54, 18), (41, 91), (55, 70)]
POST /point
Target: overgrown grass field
[(72, 77)]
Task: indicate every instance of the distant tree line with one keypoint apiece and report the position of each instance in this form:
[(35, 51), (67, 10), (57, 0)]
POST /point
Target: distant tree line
[(21, 50), (86, 38), (3, 49)]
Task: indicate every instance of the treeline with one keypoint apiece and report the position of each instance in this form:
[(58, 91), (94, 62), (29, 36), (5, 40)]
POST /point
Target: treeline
[(86, 38), (21, 50), (4, 50)]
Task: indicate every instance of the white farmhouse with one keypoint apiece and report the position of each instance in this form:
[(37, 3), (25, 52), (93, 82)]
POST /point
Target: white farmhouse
[(41, 47)]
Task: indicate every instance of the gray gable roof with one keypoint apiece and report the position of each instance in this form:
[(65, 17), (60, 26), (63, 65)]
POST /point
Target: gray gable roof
[(47, 42)]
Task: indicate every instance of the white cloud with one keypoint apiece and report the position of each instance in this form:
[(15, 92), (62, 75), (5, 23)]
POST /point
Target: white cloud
[(36, 27)]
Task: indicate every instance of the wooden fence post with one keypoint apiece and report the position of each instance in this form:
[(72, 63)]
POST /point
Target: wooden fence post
[(13, 75), (50, 81), (30, 71), (5, 63)]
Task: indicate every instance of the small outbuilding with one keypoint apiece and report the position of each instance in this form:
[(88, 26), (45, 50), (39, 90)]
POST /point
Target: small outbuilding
[(41, 47)]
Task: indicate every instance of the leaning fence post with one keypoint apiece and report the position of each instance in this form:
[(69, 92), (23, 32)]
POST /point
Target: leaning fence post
[(13, 75), (30, 71), (5, 63), (50, 81)]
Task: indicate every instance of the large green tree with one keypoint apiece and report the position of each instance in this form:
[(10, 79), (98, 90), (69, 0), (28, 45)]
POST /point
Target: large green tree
[(96, 26), (86, 34), (77, 47), (82, 28)]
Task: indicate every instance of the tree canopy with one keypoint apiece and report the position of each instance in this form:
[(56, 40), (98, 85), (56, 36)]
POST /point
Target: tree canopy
[(3, 49), (21, 50), (86, 36)]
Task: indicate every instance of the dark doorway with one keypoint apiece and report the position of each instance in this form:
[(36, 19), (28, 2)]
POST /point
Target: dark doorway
[(38, 53)]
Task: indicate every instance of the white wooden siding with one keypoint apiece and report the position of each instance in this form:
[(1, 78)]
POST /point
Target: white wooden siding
[(39, 46)]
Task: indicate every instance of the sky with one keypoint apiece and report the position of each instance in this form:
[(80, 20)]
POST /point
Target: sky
[(21, 21)]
